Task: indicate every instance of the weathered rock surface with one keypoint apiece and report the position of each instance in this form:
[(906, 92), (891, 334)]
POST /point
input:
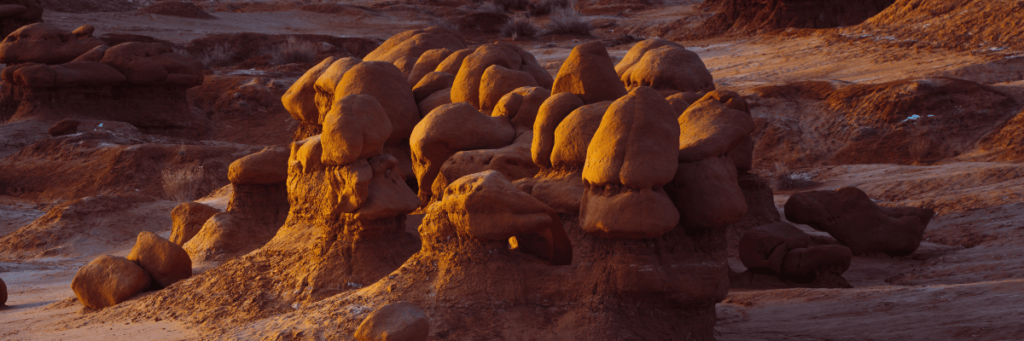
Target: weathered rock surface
[(108, 280), (852, 218), (401, 321), (356, 128), (269, 166), (486, 206), (188, 218), (165, 261), (589, 74)]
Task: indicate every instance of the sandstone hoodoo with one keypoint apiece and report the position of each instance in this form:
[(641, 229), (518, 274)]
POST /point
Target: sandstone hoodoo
[(852, 218), (108, 280), (54, 74), (188, 219), (257, 209)]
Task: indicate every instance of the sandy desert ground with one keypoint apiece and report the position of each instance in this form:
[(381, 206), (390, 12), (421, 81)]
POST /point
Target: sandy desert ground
[(964, 282)]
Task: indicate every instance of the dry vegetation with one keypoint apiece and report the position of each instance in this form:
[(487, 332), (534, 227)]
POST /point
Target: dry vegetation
[(519, 28), (569, 21), (293, 51), (181, 184)]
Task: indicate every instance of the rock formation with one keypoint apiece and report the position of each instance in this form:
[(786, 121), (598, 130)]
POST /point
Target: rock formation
[(854, 220), (401, 321), (780, 249), (108, 280), (664, 65), (3, 293), (165, 261), (257, 208), (17, 13), (188, 219), (749, 15), (53, 74)]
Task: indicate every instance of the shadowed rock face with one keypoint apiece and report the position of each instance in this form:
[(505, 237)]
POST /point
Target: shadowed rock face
[(852, 218), (17, 13), (755, 15)]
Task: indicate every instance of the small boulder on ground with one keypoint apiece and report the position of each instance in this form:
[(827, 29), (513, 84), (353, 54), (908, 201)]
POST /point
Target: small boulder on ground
[(187, 218), (109, 280), (854, 220), (165, 261), (588, 72), (763, 248), (401, 321)]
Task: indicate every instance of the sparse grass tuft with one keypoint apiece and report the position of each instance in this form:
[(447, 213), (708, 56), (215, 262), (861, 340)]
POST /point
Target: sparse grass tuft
[(182, 184), (218, 55), (294, 51), (568, 21), (519, 28), (784, 179)]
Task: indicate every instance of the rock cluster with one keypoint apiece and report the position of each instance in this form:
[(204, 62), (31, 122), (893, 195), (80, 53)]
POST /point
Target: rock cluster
[(154, 262), (854, 220), (780, 249), (256, 210), (60, 74)]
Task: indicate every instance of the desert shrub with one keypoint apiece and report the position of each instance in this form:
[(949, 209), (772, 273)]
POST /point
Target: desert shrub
[(218, 55), (568, 21), (784, 179), (181, 184), (511, 5), (546, 6), (518, 28), (293, 51)]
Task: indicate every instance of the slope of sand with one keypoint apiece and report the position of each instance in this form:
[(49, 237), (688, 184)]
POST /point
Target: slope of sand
[(965, 281)]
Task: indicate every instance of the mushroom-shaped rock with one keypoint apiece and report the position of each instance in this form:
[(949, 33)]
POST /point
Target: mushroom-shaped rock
[(391, 88), (453, 62), (328, 82), (629, 147), (485, 206), (707, 193), (638, 50), (631, 155), (431, 83), (165, 261), (356, 128), (186, 220), (404, 49), (109, 280), (300, 99), (762, 249), (153, 64), (449, 129), (526, 114), (588, 73), (552, 111), (804, 264), (710, 128), (854, 220), (669, 68), (44, 43), (402, 321), (497, 81), (573, 136), (467, 81), (427, 63), (268, 166)]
